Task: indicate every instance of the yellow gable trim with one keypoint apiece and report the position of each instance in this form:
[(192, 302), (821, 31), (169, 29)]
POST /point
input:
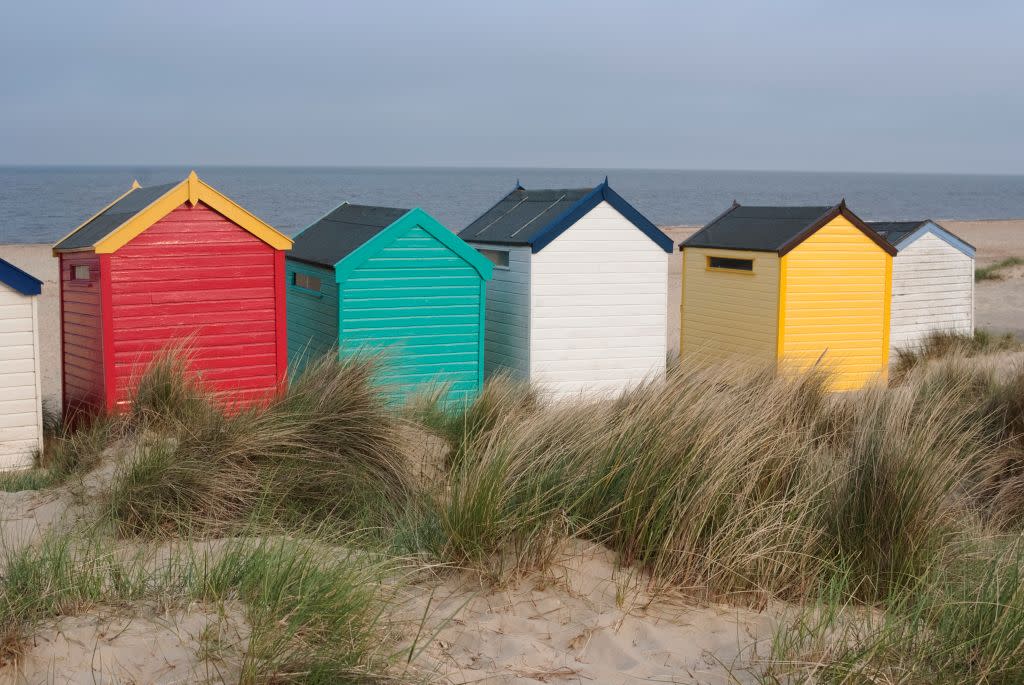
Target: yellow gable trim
[(191, 190)]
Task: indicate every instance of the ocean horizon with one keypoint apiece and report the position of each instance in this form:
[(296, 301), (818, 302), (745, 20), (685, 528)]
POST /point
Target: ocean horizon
[(42, 203)]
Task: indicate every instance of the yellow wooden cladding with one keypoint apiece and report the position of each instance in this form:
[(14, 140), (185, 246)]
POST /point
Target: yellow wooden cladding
[(726, 314), (191, 190), (836, 305), (824, 302)]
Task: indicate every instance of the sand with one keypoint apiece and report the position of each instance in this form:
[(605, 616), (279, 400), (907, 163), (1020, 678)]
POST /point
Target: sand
[(140, 644), (582, 621), (998, 304), (27, 516)]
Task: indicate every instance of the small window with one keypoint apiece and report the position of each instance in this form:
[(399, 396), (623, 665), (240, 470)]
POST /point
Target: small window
[(80, 272), (730, 264), (306, 282), (498, 258)]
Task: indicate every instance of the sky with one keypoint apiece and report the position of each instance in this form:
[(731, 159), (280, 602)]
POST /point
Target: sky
[(773, 85)]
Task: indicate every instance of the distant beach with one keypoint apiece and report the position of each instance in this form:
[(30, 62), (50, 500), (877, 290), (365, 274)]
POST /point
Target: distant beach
[(40, 204)]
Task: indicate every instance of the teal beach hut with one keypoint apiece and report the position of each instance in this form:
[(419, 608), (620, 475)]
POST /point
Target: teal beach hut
[(379, 279)]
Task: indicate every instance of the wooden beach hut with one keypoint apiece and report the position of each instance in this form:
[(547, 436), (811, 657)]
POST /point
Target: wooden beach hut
[(800, 285), (21, 411), (932, 282), (395, 281), (174, 264), (578, 303)]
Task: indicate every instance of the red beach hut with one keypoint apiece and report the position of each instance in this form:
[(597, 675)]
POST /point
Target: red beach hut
[(175, 263)]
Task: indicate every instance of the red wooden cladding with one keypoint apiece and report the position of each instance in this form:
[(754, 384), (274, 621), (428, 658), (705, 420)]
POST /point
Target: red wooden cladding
[(280, 298), (81, 334), (197, 279)]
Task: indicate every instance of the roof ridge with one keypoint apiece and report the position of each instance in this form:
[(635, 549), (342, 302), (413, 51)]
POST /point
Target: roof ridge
[(138, 209), (359, 204), (343, 203)]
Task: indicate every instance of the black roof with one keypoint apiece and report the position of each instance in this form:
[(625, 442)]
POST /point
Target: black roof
[(341, 232), (895, 231), (761, 229), (522, 216), (774, 229), (104, 223)]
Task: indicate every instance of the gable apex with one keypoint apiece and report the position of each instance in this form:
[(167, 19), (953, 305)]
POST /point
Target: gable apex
[(132, 213)]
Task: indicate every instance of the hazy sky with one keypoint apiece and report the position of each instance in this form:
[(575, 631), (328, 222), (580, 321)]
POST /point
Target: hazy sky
[(777, 84)]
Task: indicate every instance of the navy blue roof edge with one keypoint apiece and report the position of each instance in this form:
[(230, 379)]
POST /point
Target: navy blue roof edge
[(592, 199), (22, 281)]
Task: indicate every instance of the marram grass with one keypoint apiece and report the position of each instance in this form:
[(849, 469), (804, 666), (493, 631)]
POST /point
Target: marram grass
[(732, 483)]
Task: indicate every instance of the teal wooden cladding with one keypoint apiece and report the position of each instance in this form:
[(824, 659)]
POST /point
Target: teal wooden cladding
[(414, 292), (312, 317)]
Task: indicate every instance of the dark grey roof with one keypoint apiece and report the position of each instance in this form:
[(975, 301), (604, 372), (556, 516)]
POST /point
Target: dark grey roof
[(763, 229), (521, 216), (341, 232), (895, 231), (104, 223)]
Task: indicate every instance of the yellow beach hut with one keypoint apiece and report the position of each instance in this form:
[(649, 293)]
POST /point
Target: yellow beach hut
[(799, 285)]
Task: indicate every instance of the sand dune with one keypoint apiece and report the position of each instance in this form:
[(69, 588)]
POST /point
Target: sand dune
[(585, 622), (582, 621)]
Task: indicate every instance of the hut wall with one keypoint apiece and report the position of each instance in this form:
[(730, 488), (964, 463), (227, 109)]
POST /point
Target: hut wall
[(507, 347), (598, 307), (312, 316), (197, 279), (21, 420), (932, 290), (836, 294), (82, 373), (729, 315), (422, 305)]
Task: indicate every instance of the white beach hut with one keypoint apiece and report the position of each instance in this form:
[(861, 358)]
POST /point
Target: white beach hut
[(21, 414), (932, 282), (579, 298)]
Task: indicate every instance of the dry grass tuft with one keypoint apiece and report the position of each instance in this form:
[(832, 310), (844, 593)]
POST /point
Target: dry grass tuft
[(945, 344), (326, 449)]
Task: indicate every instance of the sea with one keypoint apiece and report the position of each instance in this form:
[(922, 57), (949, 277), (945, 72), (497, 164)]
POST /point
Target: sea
[(41, 204)]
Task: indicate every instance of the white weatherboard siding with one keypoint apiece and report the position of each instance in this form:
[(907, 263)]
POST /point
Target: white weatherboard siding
[(932, 289), (507, 329), (21, 419), (598, 308)]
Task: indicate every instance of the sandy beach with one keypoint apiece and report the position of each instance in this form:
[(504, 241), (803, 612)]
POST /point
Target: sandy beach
[(38, 260), (999, 304)]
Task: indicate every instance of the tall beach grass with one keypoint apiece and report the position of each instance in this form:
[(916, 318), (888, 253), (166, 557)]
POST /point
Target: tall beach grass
[(892, 514), (324, 449)]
